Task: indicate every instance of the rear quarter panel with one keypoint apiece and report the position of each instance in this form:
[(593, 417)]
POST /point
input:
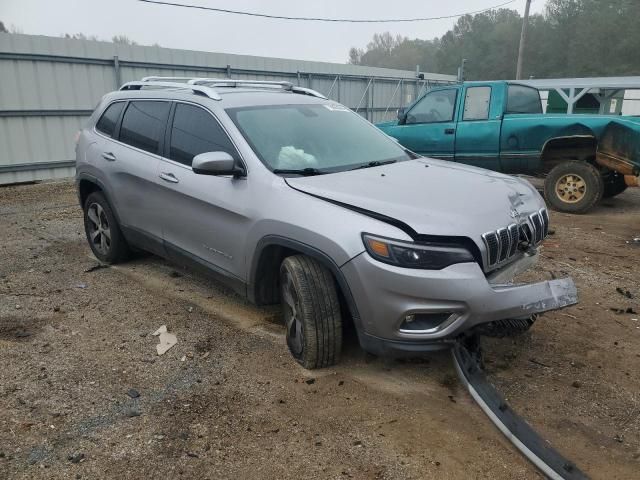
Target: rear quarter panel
[(524, 136)]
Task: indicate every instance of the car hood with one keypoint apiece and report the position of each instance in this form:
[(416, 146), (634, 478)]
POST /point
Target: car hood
[(432, 197)]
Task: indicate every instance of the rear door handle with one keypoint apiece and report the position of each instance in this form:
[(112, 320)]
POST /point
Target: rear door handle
[(109, 156), (169, 177), (449, 131)]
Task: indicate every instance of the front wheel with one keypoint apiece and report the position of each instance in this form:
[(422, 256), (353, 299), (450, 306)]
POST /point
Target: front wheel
[(574, 187), (311, 312)]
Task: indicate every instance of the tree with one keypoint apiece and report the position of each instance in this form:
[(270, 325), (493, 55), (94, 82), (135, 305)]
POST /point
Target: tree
[(3, 29), (572, 38), (123, 39), (388, 51)]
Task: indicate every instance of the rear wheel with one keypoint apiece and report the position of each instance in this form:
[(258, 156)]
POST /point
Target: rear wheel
[(574, 187), (311, 312), (103, 232)]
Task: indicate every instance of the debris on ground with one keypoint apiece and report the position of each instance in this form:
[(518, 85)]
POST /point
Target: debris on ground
[(167, 340), (98, 266), (76, 457), (133, 393), (623, 292), (620, 311)]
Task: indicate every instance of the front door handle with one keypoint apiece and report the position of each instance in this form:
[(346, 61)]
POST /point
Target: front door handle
[(169, 177), (449, 131), (109, 156)]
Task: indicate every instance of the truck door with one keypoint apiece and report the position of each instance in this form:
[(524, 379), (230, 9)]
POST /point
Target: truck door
[(478, 132), (429, 128)]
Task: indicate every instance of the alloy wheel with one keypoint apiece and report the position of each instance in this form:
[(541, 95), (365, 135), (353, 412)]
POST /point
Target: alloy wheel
[(99, 230), (292, 314)]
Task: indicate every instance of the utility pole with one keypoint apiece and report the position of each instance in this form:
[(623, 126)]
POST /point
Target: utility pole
[(523, 39)]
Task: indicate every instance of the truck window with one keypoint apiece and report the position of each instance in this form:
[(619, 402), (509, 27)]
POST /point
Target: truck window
[(476, 103), (434, 107), (521, 99)]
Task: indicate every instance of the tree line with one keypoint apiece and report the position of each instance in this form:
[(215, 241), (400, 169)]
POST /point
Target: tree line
[(572, 38)]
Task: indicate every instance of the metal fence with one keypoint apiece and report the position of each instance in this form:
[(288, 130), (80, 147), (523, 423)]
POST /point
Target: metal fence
[(49, 85)]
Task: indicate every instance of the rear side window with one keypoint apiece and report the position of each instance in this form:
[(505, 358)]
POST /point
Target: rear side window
[(523, 99), (476, 103), (143, 124), (195, 131), (107, 123)]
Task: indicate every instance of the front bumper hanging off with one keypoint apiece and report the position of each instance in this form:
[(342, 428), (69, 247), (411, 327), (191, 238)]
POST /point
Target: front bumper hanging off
[(548, 460)]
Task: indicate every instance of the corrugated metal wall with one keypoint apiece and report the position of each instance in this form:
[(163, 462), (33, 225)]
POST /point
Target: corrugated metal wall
[(49, 85)]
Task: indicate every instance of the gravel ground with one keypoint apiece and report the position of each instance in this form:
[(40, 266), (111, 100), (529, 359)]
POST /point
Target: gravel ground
[(83, 393)]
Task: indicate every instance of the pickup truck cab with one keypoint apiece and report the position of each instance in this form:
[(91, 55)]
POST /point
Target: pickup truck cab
[(500, 126)]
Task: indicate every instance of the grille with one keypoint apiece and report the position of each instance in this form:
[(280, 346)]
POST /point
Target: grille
[(502, 244)]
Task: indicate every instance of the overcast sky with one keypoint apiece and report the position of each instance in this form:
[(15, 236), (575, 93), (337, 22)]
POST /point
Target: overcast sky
[(201, 30)]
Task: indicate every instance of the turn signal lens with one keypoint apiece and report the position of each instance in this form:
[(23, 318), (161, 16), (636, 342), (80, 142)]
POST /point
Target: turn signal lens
[(378, 247)]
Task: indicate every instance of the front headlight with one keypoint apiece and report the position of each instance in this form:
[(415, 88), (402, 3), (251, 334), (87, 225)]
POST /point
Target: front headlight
[(414, 255)]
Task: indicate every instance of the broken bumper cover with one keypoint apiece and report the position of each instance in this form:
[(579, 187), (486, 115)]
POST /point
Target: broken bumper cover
[(385, 295)]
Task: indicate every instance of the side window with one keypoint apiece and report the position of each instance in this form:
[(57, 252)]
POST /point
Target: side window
[(195, 131), (108, 120), (434, 107), (143, 124), (476, 103), (521, 99)]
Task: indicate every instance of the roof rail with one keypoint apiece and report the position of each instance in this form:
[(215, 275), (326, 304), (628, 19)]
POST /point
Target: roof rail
[(229, 82), (200, 89)]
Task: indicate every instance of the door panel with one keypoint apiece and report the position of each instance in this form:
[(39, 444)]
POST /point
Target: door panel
[(131, 172), (205, 215), (478, 135)]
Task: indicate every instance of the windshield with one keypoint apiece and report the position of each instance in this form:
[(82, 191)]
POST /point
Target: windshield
[(325, 138)]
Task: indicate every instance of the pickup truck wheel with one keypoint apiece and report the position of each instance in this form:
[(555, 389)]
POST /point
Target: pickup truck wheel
[(574, 187), (311, 312), (103, 232), (614, 184)]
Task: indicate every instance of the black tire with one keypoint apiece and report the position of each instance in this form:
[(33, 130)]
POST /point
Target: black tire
[(312, 312), (565, 193), (115, 248), (614, 184)]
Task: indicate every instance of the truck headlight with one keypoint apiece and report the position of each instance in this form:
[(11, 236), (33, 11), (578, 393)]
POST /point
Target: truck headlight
[(414, 255)]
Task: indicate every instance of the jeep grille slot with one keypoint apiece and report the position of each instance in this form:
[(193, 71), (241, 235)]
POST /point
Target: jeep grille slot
[(502, 244), (492, 244)]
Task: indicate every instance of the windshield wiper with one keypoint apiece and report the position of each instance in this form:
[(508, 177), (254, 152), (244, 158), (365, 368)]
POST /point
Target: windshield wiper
[(375, 163), (299, 171)]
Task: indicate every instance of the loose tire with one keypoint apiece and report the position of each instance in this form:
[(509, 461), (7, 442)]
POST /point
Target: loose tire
[(574, 187), (614, 184), (311, 312), (103, 232)]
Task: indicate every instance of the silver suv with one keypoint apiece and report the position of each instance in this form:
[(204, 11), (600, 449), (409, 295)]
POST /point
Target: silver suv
[(289, 197)]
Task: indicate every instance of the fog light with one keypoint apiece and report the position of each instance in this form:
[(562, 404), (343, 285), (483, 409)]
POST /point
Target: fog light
[(423, 322)]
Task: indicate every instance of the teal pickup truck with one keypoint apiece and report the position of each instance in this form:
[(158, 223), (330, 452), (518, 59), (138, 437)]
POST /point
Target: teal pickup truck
[(500, 126)]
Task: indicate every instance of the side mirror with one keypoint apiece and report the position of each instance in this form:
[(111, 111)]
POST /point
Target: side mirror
[(402, 116), (216, 163)]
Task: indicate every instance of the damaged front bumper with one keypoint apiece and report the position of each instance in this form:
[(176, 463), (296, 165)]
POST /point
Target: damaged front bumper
[(459, 297)]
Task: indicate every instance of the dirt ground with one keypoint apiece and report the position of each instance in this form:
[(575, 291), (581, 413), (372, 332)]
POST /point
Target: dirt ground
[(228, 401)]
